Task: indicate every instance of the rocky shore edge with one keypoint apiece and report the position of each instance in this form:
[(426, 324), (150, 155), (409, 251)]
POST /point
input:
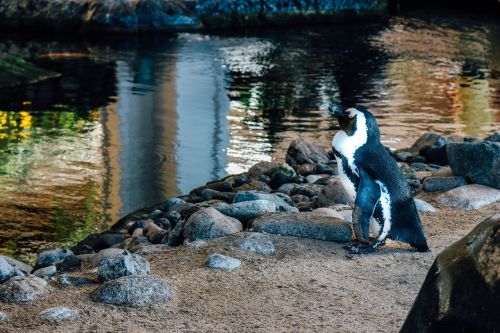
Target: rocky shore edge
[(131, 16), (302, 198)]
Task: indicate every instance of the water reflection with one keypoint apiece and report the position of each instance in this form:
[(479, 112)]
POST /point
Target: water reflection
[(141, 120)]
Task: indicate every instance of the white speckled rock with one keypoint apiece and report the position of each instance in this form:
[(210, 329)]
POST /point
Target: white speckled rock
[(219, 261), (423, 206), (59, 313)]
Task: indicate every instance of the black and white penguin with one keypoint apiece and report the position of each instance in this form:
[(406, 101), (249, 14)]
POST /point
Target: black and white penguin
[(383, 202)]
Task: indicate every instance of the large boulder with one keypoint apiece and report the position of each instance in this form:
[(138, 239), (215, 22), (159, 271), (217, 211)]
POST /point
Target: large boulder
[(280, 203), (21, 289), (210, 223), (469, 197), (305, 224), (479, 162), (461, 292), (134, 291), (300, 152)]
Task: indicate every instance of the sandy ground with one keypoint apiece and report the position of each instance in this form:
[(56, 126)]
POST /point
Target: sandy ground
[(306, 286)]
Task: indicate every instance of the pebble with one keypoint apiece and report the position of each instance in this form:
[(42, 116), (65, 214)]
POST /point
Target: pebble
[(222, 262), (256, 242), (423, 206), (58, 314)]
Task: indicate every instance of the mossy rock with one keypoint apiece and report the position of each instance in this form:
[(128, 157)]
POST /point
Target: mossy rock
[(16, 71)]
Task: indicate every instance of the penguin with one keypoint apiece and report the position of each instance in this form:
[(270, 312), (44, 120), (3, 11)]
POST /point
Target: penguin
[(383, 202)]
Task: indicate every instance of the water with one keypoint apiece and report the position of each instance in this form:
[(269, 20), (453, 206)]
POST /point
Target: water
[(134, 121)]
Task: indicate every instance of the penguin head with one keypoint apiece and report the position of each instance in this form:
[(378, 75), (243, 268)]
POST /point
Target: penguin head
[(348, 121)]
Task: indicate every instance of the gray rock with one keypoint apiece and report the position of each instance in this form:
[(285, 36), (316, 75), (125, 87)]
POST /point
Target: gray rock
[(419, 166), (334, 193), (45, 271), (69, 263), (427, 139), (479, 162), (134, 291), (18, 264), (310, 190), (247, 210), (50, 257), (21, 289), (494, 137), (95, 260), (287, 188), (469, 197), (280, 203), (175, 236), (443, 172), (346, 215), (407, 171), (155, 214), (210, 223), (326, 211), (172, 202), (219, 261), (403, 156), (6, 270), (58, 314), (330, 170), (423, 206), (3, 316), (306, 169), (254, 185), (311, 179), (308, 225), (256, 242), (154, 233), (461, 290), (122, 265), (66, 280), (209, 194), (300, 152), (439, 184), (197, 244)]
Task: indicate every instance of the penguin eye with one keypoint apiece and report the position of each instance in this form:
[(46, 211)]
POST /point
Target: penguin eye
[(351, 112)]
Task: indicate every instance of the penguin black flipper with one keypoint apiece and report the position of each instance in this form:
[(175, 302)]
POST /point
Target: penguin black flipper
[(367, 198)]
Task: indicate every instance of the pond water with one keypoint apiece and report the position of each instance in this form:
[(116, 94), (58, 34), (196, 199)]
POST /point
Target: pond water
[(132, 121)]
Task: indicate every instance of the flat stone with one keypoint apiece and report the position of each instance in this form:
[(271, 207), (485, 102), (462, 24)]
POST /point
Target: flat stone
[(256, 242), (469, 197), (6, 270), (334, 193), (461, 290), (479, 162), (50, 257), (66, 280), (423, 206), (222, 262), (439, 184), (304, 224), (247, 210), (21, 289), (45, 271), (134, 291), (122, 265), (280, 203), (210, 223), (58, 314)]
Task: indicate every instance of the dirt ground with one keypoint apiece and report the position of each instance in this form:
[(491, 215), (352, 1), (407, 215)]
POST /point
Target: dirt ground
[(306, 286)]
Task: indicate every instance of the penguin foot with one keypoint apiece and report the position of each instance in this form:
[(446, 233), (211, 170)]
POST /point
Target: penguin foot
[(360, 249)]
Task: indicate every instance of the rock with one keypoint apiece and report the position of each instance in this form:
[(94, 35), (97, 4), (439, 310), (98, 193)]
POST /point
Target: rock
[(437, 184), (419, 166), (327, 169), (3, 316), (59, 313), (219, 261), (346, 215), (283, 169), (479, 162), (197, 244), (175, 236), (421, 175), (311, 179), (254, 185), (172, 202), (75, 281), (164, 223), (69, 263), (287, 188), (436, 155), (334, 193), (306, 169), (111, 268), (6, 270), (280, 203), (21, 289), (209, 194), (134, 291), (443, 172), (310, 190), (97, 242), (308, 225), (140, 224), (210, 223), (403, 156), (17, 264), (461, 290), (256, 242), (47, 271), (155, 214), (407, 171), (193, 198), (299, 198), (469, 197), (423, 206), (95, 259), (154, 233), (325, 211), (300, 152), (247, 210), (173, 217), (218, 186), (50, 257), (279, 179), (427, 139), (139, 232), (260, 169), (494, 137)]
